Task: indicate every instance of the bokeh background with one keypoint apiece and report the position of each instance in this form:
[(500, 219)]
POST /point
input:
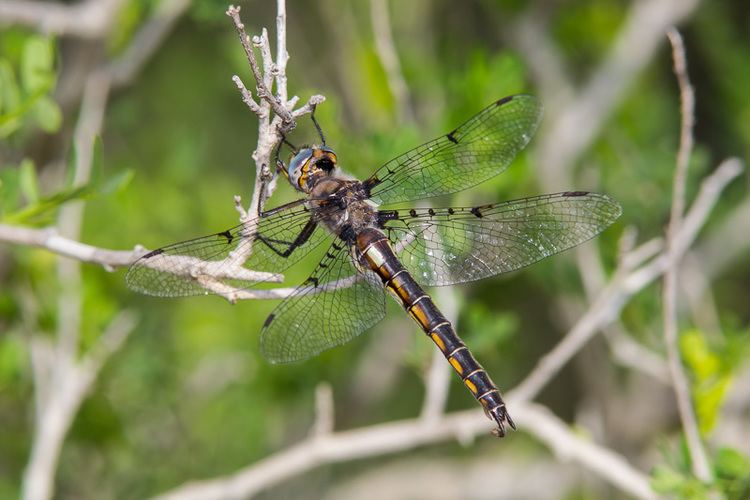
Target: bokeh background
[(187, 395)]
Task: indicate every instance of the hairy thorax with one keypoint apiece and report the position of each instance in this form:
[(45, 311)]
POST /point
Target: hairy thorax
[(340, 203)]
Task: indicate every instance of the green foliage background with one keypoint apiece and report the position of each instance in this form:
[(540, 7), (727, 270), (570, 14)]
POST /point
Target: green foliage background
[(189, 395)]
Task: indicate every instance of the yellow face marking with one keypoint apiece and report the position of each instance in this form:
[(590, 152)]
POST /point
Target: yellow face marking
[(473, 388), (456, 365), (438, 341), (303, 177)]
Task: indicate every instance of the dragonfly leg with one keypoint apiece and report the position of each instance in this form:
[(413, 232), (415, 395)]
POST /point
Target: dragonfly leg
[(317, 127), (300, 240)]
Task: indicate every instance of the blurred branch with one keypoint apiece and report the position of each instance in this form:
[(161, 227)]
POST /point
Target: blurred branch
[(577, 123), (70, 378), (633, 355), (324, 410), (147, 39), (386, 50), (85, 19), (699, 460), (627, 281), (405, 435), (62, 375), (66, 381)]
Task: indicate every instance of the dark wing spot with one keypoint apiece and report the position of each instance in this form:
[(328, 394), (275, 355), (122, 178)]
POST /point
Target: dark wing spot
[(575, 193), (335, 246), (413, 212), (269, 320), (431, 211), (504, 100), (451, 211), (386, 215), (226, 234), (452, 137), (476, 212), (312, 280), (153, 253), (369, 184)]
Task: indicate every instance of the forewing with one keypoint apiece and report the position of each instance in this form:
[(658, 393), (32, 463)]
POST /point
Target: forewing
[(219, 262), (479, 149), (455, 245), (334, 305)]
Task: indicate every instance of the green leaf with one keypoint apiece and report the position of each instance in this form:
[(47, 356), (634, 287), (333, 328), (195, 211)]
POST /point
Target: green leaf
[(10, 94), (732, 470), (47, 114), (37, 65), (698, 355), (711, 377), (10, 99), (117, 182), (28, 181), (44, 207), (730, 463)]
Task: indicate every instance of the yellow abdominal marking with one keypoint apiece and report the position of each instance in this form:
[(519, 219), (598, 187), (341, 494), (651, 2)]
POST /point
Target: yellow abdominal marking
[(456, 365), (473, 388), (419, 316), (438, 341), (375, 256)]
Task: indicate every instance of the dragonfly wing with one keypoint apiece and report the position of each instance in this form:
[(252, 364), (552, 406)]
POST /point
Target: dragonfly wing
[(455, 245), (211, 263), (479, 149), (334, 305)]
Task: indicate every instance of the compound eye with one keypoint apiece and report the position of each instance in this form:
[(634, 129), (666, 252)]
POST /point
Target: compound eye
[(297, 165)]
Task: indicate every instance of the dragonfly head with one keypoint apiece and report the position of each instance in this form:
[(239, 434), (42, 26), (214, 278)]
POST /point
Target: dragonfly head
[(310, 165)]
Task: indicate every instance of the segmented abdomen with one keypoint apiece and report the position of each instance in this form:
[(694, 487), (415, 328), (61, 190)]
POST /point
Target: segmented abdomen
[(374, 252)]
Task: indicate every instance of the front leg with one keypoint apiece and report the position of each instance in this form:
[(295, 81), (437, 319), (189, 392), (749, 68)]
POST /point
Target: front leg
[(300, 240)]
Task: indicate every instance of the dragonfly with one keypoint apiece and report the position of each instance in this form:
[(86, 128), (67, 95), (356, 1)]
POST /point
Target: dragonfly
[(373, 249)]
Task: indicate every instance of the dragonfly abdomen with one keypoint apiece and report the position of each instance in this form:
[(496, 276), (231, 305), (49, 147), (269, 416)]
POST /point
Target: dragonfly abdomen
[(375, 253)]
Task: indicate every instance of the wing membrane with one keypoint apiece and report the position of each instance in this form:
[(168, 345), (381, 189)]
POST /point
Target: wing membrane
[(217, 261), (334, 305), (455, 245), (479, 149)]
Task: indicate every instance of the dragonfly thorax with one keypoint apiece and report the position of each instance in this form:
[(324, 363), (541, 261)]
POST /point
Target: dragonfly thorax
[(340, 202), (309, 165)]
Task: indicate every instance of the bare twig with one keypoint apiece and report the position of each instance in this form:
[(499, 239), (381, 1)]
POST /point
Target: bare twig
[(680, 383), (262, 79), (270, 128), (406, 435)]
